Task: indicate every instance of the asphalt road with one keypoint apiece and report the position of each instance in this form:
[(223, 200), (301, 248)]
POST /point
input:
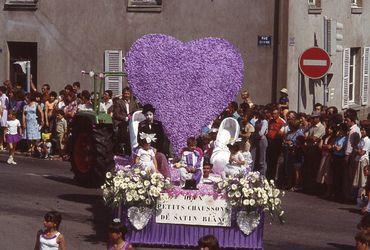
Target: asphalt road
[(34, 186)]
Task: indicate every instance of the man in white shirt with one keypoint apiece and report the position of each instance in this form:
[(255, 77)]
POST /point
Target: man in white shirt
[(354, 137), (107, 101)]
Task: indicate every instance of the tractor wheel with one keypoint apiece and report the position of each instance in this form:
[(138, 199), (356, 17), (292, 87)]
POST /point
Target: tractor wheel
[(92, 152)]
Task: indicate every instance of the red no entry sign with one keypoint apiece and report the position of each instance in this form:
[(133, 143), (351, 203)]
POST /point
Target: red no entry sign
[(314, 63)]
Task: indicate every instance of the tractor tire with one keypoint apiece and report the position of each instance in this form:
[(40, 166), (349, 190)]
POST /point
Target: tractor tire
[(91, 151)]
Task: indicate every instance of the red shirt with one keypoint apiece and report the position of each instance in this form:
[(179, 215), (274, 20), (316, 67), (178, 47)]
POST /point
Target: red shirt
[(274, 127)]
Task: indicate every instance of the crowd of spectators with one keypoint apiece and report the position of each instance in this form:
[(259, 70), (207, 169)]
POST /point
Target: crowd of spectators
[(45, 116), (325, 152)]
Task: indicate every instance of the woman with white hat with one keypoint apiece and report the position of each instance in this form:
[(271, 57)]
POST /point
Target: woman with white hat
[(284, 100)]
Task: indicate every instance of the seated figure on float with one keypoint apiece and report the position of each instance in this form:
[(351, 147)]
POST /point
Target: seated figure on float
[(208, 177), (144, 155), (152, 126), (192, 163), (228, 132), (236, 165)]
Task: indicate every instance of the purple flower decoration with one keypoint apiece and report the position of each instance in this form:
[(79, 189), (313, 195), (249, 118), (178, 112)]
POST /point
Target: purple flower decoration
[(189, 84)]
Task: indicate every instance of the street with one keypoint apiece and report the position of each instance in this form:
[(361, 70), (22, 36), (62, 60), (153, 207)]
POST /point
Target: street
[(35, 186)]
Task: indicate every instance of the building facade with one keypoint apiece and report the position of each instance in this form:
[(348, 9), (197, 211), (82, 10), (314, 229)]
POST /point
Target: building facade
[(348, 76), (64, 37), (61, 38)]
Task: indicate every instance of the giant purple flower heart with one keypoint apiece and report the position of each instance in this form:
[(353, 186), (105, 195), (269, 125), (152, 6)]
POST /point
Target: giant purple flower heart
[(189, 84)]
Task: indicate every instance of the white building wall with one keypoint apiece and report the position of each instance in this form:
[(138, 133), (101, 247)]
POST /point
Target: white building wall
[(302, 27)]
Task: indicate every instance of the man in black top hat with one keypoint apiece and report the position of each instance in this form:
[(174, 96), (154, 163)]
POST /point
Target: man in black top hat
[(152, 126)]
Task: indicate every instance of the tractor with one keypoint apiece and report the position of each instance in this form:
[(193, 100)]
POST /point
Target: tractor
[(92, 142)]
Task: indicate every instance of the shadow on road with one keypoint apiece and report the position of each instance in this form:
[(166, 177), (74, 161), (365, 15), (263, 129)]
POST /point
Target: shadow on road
[(101, 215), (62, 179), (351, 210), (342, 246)]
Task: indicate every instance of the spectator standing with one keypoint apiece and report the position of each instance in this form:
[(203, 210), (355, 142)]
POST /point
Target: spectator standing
[(85, 104), (13, 132), (325, 173), (61, 131), (312, 152), (61, 100), (4, 104), (122, 111), (284, 99), (293, 155), (106, 101), (274, 142), (45, 92), (247, 103), (31, 112), (259, 143), (339, 163), (354, 136), (50, 107), (77, 88)]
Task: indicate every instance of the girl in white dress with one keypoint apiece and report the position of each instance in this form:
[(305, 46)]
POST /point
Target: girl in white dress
[(236, 164), (50, 238), (144, 156)]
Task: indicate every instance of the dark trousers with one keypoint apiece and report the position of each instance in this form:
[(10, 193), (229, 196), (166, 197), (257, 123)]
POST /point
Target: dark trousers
[(273, 153), (338, 166), (122, 138), (312, 158)]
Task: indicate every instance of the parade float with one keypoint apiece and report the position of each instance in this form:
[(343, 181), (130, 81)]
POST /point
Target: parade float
[(189, 84)]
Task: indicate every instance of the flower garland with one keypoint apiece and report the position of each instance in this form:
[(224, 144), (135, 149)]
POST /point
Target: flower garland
[(252, 192), (134, 187)]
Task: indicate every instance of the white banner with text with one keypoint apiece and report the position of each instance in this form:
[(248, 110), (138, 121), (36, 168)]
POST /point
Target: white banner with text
[(201, 210)]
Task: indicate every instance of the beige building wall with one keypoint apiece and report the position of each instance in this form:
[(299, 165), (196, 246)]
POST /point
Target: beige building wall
[(302, 27), (73, 35)]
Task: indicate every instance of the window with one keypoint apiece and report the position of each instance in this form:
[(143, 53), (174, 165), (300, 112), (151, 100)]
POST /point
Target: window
[(314, 7), (144, 5), (354, 75), (20, 5), (356, 6)]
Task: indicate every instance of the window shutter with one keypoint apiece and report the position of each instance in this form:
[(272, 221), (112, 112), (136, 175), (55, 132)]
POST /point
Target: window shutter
[(365, 77), (346, 68), (318, 4), (359, 3), (113, 63)]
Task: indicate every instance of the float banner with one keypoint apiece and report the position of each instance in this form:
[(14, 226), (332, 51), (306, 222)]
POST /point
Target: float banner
[(188, 210)]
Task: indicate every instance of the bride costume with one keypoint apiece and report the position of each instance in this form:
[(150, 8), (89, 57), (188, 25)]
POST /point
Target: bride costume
[(228, 133), (137, 117)]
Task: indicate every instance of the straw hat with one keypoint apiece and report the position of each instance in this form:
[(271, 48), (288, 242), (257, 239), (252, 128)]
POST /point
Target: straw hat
[(284, 90)]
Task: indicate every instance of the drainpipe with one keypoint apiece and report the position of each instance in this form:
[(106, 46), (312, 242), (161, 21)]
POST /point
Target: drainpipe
[(275, 51)]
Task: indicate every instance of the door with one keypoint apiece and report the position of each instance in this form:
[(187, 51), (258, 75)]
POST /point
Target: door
[(21, 52)]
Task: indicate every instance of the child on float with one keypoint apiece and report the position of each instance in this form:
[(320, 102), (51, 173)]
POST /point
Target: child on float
[(236, 163), (13, 134), (144, 155), (192, 159), (247, 156), (116, 233), (50, 237), (208, 177)]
